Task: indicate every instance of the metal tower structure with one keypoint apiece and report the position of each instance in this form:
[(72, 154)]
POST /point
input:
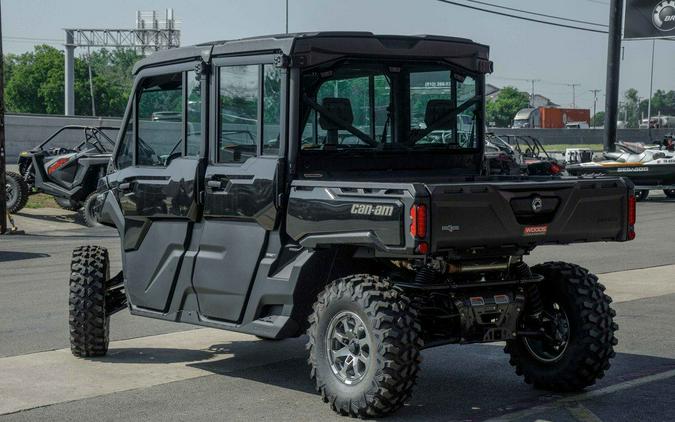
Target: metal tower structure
[(151, 34)]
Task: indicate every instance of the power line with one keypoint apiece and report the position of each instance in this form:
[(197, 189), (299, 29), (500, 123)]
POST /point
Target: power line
[(30, 39), (560, 25), (535, 13)]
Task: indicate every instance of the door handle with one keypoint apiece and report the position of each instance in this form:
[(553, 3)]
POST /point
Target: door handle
[(214, 184)]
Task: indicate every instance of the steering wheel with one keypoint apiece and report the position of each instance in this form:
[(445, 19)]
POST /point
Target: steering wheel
[(145, 150), (173, 154)]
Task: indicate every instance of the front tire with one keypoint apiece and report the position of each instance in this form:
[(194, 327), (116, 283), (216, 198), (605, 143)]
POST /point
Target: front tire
[(364, 346), (88, 319), (88, 212), (579, 348), (17, 192)]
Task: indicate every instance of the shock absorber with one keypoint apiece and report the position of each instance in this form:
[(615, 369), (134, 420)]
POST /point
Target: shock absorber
[(425, 275), (535, 305)]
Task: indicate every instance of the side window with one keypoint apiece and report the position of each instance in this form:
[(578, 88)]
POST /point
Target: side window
[(194, 114), (125, 153), (433, 97), (238, 101), (160, 120), (271, 109)]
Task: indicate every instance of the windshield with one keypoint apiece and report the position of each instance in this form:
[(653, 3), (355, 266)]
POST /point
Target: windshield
[(521, 123), (390, 107)]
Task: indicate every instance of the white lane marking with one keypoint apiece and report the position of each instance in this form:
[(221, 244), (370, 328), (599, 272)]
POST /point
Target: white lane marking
[(45, 378), (565, 401), (643, 283)]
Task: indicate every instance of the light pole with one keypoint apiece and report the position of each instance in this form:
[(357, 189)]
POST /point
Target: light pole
[(287, 16), (613, 73), (651, 91), (3, 176)]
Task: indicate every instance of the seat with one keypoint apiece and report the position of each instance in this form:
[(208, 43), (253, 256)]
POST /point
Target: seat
[(437, 113), (340, 108)]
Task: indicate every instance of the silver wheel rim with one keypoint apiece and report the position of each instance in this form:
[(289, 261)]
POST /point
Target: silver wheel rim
[(349, 347), (10, 192), (551, 351)]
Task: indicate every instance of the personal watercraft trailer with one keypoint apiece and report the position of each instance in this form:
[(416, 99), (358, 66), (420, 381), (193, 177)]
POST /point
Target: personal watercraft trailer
[(649, 167)]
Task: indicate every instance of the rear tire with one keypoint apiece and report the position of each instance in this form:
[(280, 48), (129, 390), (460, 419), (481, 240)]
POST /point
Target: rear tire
[(17, 192), (88, 214), (364, 346), (641, 195), (590, 340), (670, 193), (88, 319)]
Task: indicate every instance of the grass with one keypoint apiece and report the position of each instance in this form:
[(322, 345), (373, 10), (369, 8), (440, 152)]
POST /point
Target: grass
[(41, 200), (562, 147)]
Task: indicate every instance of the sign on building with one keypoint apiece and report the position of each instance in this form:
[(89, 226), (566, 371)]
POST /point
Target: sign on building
[(649, 19)]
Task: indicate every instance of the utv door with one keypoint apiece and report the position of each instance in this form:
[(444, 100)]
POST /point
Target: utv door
[(240, 183), (156, 182)]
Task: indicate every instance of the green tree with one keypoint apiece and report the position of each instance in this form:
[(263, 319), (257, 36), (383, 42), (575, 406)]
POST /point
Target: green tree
[(503, 109), (598, 119), (630, 109), (662, 103), (34, 81)]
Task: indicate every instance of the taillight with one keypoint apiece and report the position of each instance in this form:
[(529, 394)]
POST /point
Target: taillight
[(632, 217), (631, 210), (57, 165), (418, 221), (555, 169)]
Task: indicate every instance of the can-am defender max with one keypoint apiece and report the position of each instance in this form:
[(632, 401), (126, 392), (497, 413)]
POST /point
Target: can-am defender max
[(328, 184), (66, 165)]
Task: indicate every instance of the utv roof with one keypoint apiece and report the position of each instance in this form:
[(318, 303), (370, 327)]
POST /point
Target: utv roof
[(309, 49)]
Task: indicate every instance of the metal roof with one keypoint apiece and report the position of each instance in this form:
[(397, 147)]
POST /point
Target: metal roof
[(311, 48)]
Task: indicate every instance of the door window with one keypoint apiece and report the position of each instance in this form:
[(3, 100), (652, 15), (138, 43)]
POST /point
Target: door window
[(194, 114), (160, 120), (239, 102), (125, 153), (271, 110)]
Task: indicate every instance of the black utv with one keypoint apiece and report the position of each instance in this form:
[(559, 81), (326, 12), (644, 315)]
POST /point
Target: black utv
[(332, 184), (66, 165)]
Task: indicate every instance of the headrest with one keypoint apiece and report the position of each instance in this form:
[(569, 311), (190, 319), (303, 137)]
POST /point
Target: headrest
[(338, 107), (436, 111)]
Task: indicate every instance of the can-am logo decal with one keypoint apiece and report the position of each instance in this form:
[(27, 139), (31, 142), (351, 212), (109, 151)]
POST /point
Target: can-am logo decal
[(663, 17), (537, 204), (631, 169), (370, 209), (535, 230)]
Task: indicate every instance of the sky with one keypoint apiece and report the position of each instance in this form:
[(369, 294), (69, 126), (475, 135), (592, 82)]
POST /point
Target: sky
[(520, 50)]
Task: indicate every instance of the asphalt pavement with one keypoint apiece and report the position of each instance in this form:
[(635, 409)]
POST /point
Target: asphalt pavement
[(162, 371)]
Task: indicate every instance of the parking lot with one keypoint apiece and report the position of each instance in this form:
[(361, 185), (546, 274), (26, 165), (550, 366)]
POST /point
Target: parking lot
[(162, 371)]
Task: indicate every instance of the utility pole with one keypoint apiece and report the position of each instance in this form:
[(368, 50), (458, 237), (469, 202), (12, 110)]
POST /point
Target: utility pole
[(651, 93), (91, 85), (287, 16), (3, 176), (532, 95), (595, 104), (574, 94), (613, 73)]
